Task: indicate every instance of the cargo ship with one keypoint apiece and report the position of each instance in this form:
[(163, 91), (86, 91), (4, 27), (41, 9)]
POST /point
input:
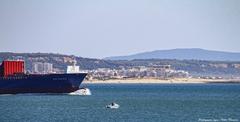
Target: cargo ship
[(14, 80)]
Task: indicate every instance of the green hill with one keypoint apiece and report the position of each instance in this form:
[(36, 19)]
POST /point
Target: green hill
[(194, 67)]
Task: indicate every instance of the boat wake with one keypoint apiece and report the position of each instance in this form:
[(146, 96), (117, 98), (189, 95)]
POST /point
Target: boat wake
[(81, 91)]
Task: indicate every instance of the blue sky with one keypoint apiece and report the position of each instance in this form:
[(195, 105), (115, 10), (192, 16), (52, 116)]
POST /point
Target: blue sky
[(101, 28)]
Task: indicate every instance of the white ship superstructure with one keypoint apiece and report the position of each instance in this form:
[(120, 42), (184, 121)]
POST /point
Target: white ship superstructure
[(73, 68)]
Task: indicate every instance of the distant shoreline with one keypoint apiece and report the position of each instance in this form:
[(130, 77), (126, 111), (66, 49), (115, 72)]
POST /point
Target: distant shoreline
[(162, 81)]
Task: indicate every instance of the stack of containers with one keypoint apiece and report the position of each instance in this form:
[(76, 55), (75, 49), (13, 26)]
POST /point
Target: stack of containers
[(9, 68)]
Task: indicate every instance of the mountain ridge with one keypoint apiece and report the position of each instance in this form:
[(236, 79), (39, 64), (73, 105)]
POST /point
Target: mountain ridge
[(182, 54)]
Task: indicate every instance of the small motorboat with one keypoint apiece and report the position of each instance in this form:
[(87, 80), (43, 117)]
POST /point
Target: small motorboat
[(113, 105)]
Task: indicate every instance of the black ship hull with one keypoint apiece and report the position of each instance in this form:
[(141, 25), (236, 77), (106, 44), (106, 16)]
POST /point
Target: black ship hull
[(48, 83)]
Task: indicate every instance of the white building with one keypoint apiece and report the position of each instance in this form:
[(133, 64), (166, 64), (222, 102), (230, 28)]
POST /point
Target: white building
[(42, 68)]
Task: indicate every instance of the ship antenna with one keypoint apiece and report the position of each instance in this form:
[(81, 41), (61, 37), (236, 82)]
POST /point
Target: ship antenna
[(74, 64)]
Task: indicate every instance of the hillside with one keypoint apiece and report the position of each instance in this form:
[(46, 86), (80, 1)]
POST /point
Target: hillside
[(59, 61), (194, 67), (182, 54)]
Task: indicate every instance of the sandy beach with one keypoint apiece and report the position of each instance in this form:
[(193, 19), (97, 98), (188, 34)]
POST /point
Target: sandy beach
[(174, 81)]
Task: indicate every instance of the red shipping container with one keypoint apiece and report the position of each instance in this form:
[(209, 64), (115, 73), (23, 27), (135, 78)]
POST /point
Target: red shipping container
[(12, 67)]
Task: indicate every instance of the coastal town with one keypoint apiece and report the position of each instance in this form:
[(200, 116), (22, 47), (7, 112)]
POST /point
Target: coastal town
[(159, 72), (154, 72)]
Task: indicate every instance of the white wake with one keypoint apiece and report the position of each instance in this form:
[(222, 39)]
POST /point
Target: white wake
[(82, 91)]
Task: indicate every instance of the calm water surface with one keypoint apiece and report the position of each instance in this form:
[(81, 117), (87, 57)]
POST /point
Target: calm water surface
[(138, 102)]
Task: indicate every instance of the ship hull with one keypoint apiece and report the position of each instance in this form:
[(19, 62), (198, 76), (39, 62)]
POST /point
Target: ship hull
[(49, 83)]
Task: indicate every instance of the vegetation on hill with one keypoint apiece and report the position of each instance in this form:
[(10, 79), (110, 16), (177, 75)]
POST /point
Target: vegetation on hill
[(59, 61), (194, 67)]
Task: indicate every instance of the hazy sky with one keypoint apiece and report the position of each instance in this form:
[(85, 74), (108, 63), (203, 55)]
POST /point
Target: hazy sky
[(100, 28)]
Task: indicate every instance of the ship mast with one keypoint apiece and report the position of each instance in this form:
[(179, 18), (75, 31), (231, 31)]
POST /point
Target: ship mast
[(74, 64)]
